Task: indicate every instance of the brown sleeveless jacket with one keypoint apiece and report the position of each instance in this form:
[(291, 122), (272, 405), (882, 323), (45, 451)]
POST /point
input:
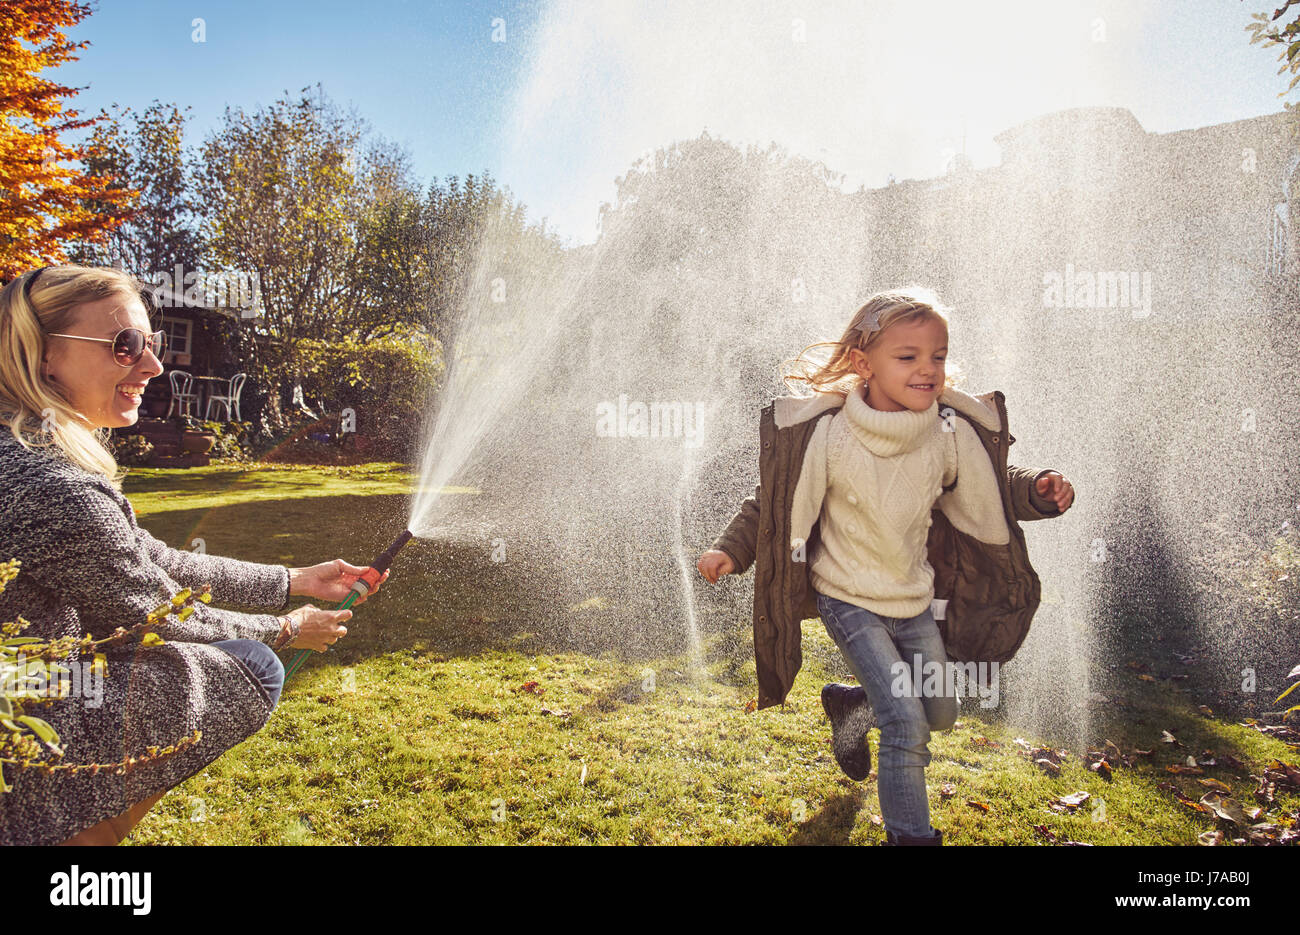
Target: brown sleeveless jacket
[(991, 590)]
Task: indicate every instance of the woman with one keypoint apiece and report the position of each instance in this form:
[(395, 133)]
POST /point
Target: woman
[(76, 352)]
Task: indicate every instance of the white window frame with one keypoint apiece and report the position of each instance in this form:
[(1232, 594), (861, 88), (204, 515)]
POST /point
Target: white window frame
[(189, 334)]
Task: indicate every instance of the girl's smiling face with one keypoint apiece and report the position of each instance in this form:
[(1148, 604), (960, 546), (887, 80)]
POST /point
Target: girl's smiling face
[(904, 368), (85, 373)]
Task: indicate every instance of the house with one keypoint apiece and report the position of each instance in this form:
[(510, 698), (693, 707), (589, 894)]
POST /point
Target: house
[(210, 336)]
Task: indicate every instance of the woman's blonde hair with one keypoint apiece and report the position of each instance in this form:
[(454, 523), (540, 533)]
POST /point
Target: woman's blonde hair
[(36, 412), (825, 367)]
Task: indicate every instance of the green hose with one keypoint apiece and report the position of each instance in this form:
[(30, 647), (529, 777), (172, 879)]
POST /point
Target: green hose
[(304, 653)]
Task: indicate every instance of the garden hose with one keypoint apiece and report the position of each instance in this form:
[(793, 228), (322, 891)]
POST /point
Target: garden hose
[(360, 588)]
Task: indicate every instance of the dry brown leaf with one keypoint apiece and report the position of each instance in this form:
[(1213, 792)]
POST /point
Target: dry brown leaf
[(1226, 808)]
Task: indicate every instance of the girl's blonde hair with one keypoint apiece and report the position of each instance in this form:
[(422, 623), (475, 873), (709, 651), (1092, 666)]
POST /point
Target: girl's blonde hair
[(825, 367), (36, 412)]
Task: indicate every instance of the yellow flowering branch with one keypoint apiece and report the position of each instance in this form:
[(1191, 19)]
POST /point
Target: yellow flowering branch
[(27, 739)]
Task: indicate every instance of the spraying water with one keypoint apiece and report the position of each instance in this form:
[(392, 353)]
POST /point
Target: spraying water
[(604, 404)]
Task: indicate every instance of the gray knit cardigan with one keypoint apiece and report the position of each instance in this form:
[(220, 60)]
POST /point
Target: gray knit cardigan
[(87, 567)]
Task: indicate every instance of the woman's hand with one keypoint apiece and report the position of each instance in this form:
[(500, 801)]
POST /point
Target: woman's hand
[(328, 581), (319, 629), (715, 563), (1054, 486)]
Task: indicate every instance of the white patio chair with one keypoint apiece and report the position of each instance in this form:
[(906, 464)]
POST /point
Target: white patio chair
[(230, 400), (182, 397)]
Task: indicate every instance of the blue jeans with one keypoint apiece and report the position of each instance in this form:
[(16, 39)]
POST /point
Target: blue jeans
[(885, 653), (261, 660)]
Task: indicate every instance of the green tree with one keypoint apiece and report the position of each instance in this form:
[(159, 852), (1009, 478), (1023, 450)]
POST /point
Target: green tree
[(280, 198), (145, 152), (465, 223), (1270, 30)]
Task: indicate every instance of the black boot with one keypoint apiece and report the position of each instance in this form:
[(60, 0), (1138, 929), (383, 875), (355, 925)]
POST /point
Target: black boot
[(851, 717), (902, 839)]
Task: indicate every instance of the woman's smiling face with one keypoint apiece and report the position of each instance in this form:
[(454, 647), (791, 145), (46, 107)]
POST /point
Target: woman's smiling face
[(86, 374), (904, 368)]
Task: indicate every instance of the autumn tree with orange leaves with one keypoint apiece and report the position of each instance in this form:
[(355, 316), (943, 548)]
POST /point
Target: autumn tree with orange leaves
[(47, 203)]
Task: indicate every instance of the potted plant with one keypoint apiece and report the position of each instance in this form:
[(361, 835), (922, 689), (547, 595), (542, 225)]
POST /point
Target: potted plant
[(194, 438)]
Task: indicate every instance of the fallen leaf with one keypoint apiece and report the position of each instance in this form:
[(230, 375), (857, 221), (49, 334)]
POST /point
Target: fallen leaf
[(1215, 785), (1210, 838), (1283, 774), (1266, 791), (979, 805), (1102, 769), (947, 790), (1074, 799), (1226, 808)]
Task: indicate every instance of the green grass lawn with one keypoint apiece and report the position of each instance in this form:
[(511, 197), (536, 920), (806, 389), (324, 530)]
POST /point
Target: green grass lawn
[(445, 717)]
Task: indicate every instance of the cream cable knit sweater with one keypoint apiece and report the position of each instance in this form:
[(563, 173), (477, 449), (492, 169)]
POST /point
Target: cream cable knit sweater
[(884, 470)]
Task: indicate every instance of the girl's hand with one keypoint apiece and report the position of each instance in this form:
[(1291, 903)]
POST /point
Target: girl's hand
[(1054, 486), (329, 581), (715, 563), (319, 629)]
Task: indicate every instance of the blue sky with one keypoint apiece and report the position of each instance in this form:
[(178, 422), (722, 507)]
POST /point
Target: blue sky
[(578, 90)]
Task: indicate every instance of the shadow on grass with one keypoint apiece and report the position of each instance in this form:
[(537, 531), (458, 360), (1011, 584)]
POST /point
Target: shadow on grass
[(833, 823), (447, 597)]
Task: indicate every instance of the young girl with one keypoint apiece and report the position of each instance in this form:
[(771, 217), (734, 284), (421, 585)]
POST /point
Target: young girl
[(843, 527)]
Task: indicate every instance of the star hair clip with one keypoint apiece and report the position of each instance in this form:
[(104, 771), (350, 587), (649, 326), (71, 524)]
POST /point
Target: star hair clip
[(872, 323)]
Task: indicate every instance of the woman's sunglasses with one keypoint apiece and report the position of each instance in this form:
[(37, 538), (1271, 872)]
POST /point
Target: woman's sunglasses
[(128, 345)]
